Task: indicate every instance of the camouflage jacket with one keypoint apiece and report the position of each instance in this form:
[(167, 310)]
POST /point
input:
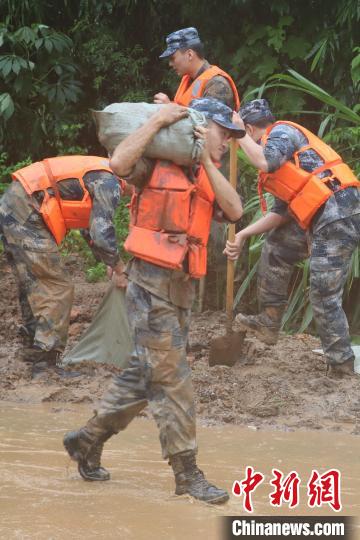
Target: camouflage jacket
[(218, 87), (22, 212), (282, 142)]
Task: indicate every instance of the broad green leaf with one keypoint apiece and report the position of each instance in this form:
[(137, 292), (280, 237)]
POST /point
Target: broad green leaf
[(6, 106), (25, 34), (6, 67), (48, 44)]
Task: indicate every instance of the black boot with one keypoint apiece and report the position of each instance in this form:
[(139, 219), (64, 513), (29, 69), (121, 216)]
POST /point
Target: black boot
[(39, 359), (86, 448), (35, 355), (45, 362), (190, 479)]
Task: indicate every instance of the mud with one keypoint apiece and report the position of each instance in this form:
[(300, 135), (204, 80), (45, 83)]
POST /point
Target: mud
[(42, 496), (282, 387)]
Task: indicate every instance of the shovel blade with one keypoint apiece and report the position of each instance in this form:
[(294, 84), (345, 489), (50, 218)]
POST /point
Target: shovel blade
[(226, 350)]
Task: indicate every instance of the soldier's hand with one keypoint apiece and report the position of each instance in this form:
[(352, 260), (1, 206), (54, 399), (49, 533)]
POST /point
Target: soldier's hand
[(120, 280), (237, 120), (200, 133), (161, 98), (233, 249), (171, 113), (117, 275)]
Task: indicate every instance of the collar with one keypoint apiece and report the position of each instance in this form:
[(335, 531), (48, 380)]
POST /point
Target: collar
[(203, 68)]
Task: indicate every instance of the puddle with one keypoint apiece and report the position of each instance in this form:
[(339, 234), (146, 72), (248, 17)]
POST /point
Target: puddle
[(42, 496)]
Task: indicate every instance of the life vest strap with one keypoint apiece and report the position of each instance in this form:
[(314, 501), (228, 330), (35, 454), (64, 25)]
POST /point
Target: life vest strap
[(327, 165), (52, 180)]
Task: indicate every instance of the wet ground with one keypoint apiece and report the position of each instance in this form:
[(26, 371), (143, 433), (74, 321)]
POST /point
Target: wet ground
[(42, 496), (282, 387)]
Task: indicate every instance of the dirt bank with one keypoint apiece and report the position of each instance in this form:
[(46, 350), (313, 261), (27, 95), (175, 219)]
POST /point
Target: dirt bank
[(282, 387)]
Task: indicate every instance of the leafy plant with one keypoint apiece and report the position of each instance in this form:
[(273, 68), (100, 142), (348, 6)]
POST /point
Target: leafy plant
[(37, 84)]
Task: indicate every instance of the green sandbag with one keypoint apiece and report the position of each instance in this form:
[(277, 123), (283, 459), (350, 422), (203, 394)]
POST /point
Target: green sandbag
[(107, 339), (175, 143)]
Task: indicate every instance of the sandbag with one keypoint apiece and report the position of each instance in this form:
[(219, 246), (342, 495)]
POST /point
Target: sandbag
[(107, 339), (174, 143)]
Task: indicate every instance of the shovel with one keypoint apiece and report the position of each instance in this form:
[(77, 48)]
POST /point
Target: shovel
[(225, 350)]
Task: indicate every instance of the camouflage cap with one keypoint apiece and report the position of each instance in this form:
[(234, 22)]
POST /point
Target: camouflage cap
[(256, 111), (181, 39), (218, 112)]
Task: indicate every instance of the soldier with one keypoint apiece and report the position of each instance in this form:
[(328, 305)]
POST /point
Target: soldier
[(45, 200), (185, 52), (171, 216), (310, 183)]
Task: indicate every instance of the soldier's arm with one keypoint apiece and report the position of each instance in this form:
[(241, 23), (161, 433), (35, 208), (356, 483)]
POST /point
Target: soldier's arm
[(218, 87), (225, 195), (105, 192), (130, 150), (280, 146), (263, 225), (254, 152)]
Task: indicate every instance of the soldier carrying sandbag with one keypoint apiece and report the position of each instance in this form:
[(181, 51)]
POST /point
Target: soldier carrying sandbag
[(170, 224)]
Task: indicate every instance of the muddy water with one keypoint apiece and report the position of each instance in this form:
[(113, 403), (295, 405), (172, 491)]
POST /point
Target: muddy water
[(42, 497)]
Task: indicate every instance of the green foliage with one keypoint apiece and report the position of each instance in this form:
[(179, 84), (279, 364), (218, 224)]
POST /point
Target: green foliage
[(58, 59), (6, 170), (335, 109), (37, 85), (51, 50), (95, 273)]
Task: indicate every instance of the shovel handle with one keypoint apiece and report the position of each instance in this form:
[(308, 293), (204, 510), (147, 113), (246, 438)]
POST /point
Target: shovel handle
[(231, 235)]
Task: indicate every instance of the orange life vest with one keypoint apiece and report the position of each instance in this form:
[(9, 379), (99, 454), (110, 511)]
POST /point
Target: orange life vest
[(61, 215), (305, 192), (190, 89), (171, 218)]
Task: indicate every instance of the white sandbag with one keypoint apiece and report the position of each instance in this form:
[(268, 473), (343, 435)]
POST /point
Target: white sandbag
[(175, 143)]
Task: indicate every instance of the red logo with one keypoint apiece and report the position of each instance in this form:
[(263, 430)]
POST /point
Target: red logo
[(322, 489)]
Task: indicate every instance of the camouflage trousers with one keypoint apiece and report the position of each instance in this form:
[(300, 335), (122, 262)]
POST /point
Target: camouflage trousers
[(45, 290), (330, 251), (158, 374)]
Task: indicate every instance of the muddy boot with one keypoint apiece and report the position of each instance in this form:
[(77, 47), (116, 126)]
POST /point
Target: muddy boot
[(266, 325), (85, 447), (45, 362), (39, 359), (26, 336), (32, 355), (342, 370), (189, 479)]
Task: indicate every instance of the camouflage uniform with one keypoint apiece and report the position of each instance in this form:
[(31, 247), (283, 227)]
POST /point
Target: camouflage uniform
[(159, 303), (45, 288), (158, 372), (332, 239), (218, 87)]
